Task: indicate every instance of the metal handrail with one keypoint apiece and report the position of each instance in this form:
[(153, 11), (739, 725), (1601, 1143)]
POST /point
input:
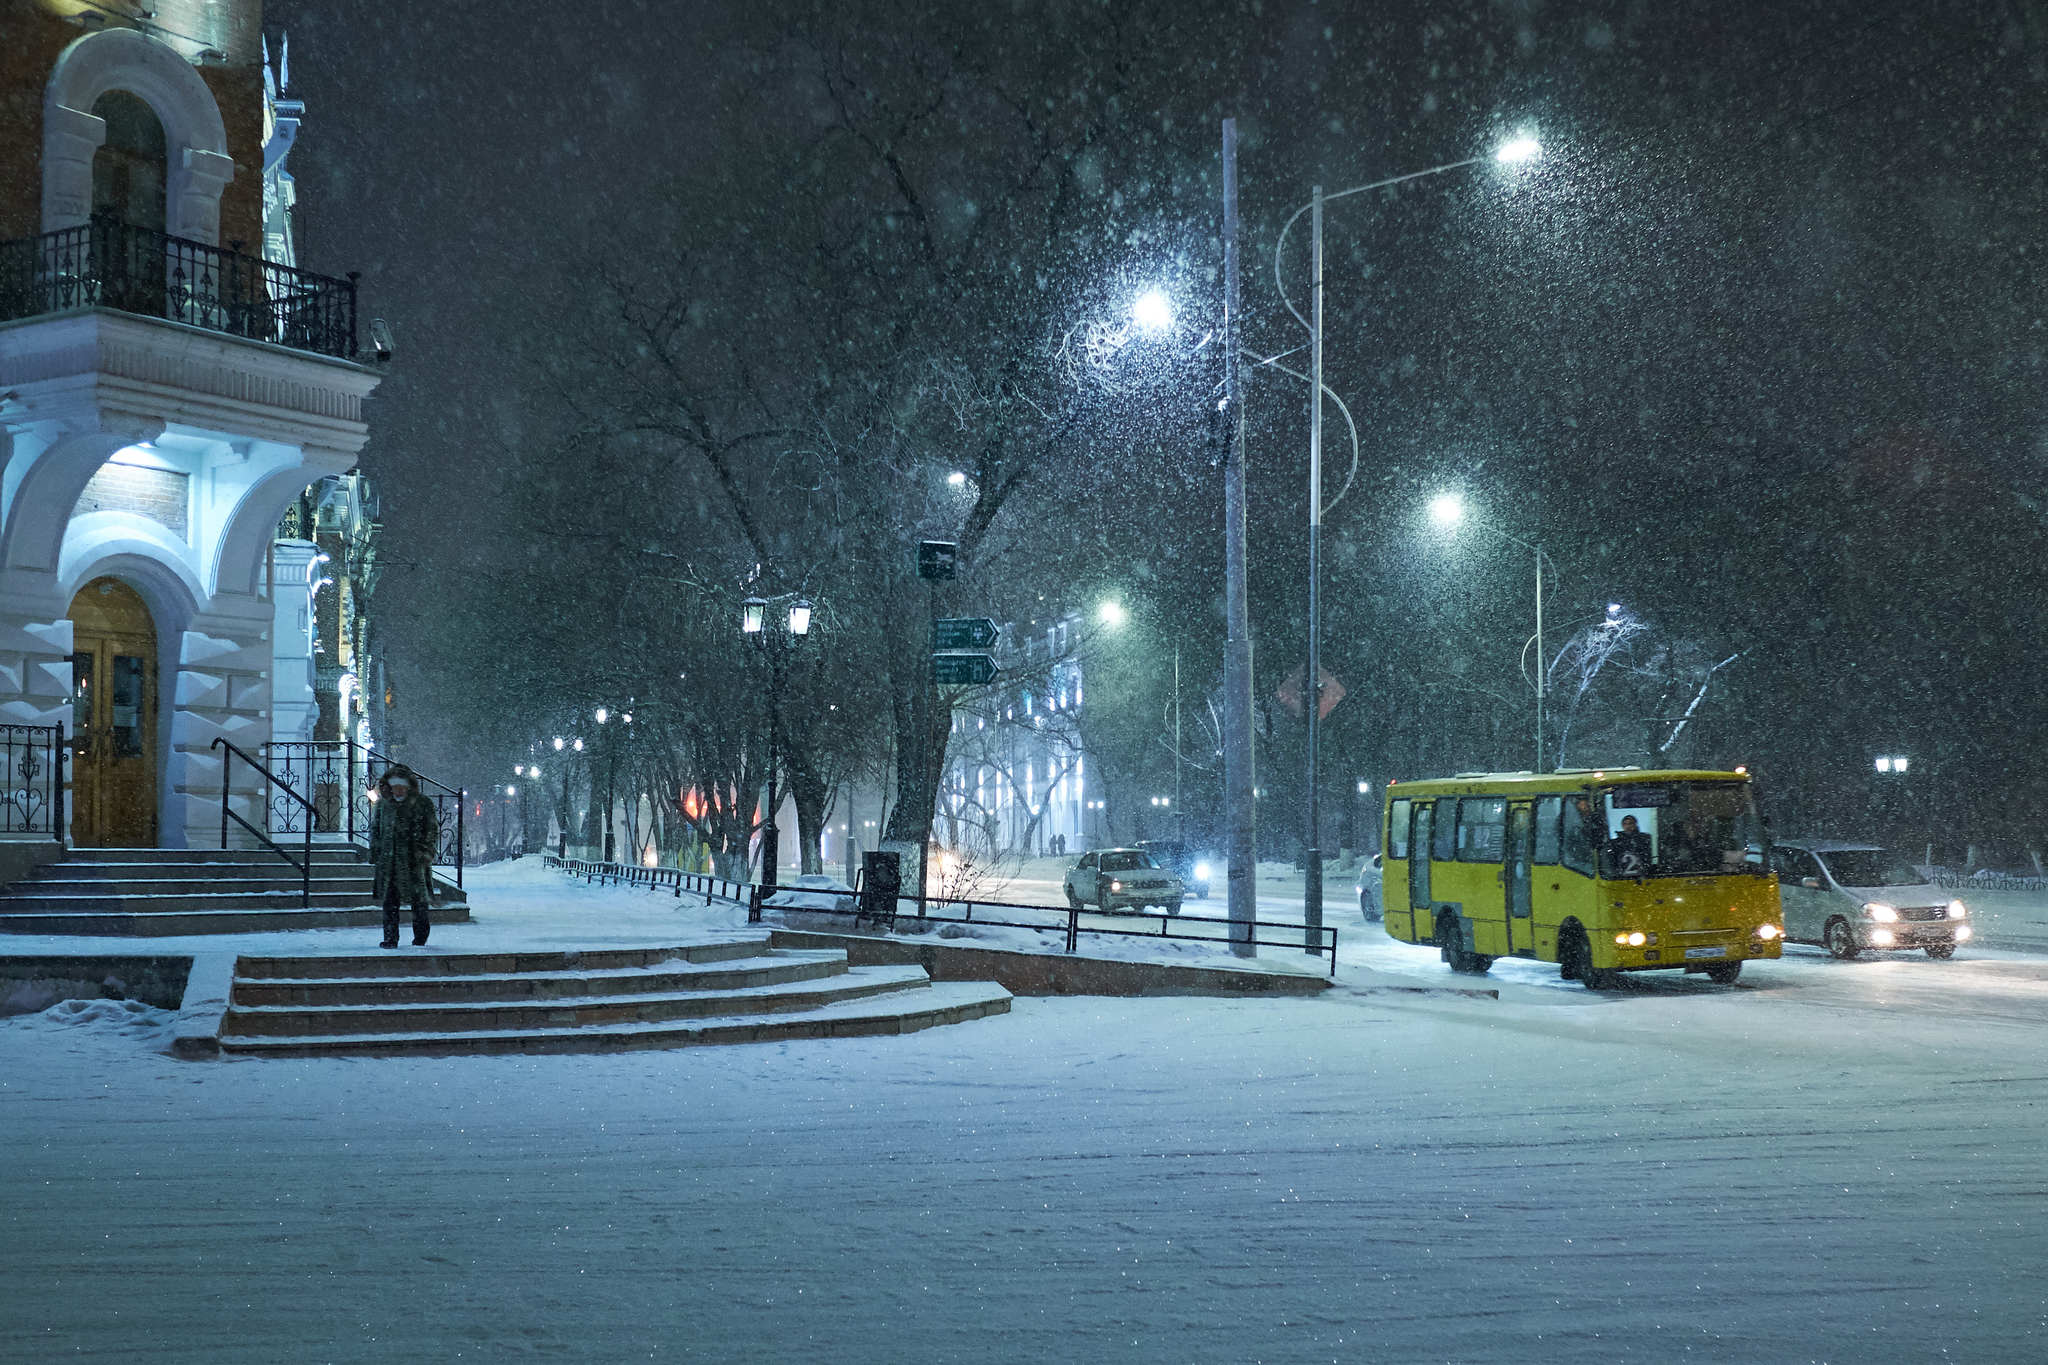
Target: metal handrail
[(227, 768), (106, 263), (1066, 920), (347, 766), (32, 779), (628, 874)]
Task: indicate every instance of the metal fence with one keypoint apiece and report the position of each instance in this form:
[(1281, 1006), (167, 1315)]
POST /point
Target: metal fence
[(627, 874), (337, 776), (106, 263), (1949, 881), (32, 780), (1065, 922)]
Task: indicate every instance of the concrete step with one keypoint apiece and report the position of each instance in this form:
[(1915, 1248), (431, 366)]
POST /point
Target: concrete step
[(750, 973), (177, 923), (322, 852), (891, 1013), (126, 887), (103, 902), (190, 869), (582, 1011), (741, 944)]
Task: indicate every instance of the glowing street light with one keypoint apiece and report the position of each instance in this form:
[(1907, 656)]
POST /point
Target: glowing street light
[(1446, 509), (1515, 151), (1112, 614), (1152, 311), (957, 479)]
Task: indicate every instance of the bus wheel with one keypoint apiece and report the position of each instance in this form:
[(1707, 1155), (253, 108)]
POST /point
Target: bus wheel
[(1840, 939), (1450, 945), (1575, 962), (1724, 973)]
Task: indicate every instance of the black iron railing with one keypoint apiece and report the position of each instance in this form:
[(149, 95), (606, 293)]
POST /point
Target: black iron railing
[(338, 775), (1063, 922), (627, 874), (271, 784), (32, 780), (107, 263)]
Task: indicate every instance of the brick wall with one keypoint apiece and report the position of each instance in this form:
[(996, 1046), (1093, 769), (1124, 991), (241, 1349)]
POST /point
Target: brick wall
[(36, 31), (162, 495)]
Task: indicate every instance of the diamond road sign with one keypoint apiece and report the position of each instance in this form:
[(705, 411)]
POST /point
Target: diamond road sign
[(967, 632), (963, 670)]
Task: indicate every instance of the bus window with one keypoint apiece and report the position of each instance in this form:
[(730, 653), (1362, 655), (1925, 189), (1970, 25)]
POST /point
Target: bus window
[(1580, 834), (1443, 837), (1397, 830), (1482, 829), (1548, 808)]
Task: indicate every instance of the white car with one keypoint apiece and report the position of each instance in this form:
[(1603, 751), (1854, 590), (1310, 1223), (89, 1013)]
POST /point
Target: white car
[(1122, 879), (1853, 898)]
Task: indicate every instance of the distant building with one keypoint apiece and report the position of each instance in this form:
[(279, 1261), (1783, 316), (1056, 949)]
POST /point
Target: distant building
[(1017, 772), (166, 399)]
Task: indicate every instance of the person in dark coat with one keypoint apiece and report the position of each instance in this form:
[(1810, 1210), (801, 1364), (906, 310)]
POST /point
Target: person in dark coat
[(404, 834)]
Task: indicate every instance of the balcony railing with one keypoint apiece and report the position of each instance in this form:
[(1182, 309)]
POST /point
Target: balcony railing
[(107, 263)]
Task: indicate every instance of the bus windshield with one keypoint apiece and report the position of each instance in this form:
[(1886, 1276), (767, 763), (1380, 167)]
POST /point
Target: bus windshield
[(1679, 829)]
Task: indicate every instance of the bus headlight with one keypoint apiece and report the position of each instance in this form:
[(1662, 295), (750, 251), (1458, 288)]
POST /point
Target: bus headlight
[(1957, 910), (1634, 940), (1880, 912), (1767, 932)]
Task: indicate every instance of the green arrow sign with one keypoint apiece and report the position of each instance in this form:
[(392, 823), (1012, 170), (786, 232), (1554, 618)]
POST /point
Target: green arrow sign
[(969, 632), (963, 670)]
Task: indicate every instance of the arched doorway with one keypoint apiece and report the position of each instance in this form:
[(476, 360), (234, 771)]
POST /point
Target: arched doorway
[(113, 718), (128, 169)]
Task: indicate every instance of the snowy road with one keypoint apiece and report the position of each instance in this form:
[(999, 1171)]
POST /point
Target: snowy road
[(1832, 1161)]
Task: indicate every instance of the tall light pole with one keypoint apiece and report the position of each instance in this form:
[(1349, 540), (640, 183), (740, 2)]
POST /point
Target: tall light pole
[(1240, 817), (776, 644), (1521, 149), (1448, 510)]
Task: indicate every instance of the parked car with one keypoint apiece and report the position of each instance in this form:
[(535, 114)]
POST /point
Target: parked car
[(1369, 889), (1855, 897), (1184, 861), (1122, 879)]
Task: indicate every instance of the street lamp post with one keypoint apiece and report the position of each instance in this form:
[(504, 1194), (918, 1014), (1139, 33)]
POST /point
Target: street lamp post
[(1448, 510), (776, 645), (1520, 149)]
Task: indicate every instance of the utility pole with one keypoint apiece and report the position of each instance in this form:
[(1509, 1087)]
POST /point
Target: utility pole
[(1237, 649), (1312, 677)]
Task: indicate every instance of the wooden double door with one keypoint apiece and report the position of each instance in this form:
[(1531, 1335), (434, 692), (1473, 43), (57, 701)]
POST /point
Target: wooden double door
[(113, 718)]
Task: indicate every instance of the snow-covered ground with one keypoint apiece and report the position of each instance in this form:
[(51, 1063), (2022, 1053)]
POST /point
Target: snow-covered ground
[(1832, 1161)]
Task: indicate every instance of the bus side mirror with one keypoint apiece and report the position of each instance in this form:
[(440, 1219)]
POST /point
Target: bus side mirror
[(1810, 883)]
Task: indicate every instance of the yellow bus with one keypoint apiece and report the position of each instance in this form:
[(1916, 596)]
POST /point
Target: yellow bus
[(1602, 872)]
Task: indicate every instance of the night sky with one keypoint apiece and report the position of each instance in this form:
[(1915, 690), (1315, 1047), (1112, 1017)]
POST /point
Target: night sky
[(1757, 349)]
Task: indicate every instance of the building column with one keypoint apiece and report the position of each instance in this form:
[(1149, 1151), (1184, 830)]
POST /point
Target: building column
[(223, 690)]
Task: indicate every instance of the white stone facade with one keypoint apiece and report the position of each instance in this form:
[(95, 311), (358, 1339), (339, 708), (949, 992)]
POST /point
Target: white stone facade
[(244, 424)]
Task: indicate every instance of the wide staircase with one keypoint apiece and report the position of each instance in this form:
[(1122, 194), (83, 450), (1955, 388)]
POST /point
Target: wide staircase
[(139, 892), (731, 989)]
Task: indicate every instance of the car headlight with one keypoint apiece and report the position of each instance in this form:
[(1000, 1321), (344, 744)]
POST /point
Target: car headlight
[(1767, 932), (1116, 886), (1201, 872), (1882, 938), (1957, 910), (1880, 912), (1962, 933)]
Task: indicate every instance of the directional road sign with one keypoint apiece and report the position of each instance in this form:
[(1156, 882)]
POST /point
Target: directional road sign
[(937, 559), (963, 670), (964, 632)]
